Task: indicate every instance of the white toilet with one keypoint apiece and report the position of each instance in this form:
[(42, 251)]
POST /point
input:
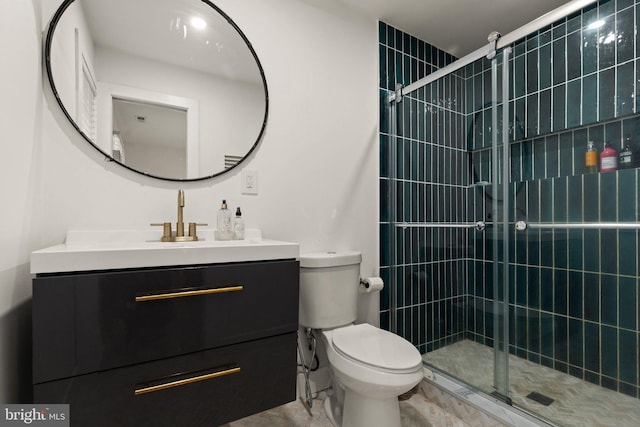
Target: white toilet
[(370, 367)]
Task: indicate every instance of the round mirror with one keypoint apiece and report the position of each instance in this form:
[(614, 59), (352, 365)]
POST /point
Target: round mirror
[(167, 88)]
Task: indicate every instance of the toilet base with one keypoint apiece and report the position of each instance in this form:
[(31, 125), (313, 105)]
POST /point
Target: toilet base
[(360, 411)]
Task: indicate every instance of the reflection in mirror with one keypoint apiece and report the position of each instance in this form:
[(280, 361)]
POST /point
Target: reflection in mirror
[(176, 79), (153, 136)]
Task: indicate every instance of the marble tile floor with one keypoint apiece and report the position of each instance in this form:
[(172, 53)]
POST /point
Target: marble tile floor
[(576, 402), (417, 411)]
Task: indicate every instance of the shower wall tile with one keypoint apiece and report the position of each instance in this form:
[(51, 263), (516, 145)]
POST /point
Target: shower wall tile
[(574, 296), (424, 169)]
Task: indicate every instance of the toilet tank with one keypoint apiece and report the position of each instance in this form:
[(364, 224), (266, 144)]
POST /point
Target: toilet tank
[(329, 288)]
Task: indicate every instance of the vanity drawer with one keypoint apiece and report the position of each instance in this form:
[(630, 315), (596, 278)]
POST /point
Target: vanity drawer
[(253, 377), (95, 321)]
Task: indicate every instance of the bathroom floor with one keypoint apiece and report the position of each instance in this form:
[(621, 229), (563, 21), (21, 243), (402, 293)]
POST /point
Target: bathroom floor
[(421, 410), (576, 402)]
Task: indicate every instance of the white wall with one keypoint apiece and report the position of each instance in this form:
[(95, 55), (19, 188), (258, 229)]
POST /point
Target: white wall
[(318, 161)]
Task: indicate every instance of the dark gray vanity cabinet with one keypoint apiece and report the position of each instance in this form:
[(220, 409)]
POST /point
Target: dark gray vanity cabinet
[(191, 345)]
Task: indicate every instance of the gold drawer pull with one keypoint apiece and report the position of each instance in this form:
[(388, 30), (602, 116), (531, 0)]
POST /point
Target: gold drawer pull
[(181, 294), (186, 381)]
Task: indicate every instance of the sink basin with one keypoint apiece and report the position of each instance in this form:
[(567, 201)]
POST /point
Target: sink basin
[(106, 250)]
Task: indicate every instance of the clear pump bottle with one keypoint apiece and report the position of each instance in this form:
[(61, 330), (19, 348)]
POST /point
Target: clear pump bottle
[(224, 231), (238, 226)]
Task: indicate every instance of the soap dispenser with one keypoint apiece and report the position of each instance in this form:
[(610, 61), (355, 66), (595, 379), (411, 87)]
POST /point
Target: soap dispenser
[(224, 231), (238, 225)]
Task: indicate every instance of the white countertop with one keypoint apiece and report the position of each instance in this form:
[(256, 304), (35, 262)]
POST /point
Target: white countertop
[(117, 249)]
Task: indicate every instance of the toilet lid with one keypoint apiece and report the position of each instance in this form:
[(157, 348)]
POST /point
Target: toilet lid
[(372, 346)]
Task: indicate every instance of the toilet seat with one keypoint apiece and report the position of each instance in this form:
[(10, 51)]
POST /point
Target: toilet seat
[(376, 348)]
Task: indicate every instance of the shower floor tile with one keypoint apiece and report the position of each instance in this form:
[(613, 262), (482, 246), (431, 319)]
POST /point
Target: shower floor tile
[(576, 402), (415, 412)]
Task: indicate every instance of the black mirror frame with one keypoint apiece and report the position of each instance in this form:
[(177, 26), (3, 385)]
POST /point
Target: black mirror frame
[(47, 60)]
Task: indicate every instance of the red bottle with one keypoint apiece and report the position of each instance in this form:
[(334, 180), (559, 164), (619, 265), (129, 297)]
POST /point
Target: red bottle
[(608, 159)]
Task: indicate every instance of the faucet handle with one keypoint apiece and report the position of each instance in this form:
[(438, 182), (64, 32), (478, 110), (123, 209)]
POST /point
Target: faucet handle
[(192, 229), (166, 231)]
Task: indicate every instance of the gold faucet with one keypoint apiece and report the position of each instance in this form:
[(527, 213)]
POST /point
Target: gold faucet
[(178, 236)]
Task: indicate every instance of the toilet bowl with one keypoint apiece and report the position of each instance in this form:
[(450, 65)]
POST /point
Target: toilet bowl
[(370, 367)]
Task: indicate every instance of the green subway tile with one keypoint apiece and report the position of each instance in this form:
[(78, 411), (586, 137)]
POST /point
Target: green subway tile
[(546, 337), (546, 289), (553, 162), (574, 100), (520, 47), (609, 299), (628, 356), (575, 294), (580, 139), (608, 249), (546, 201), (560, 248), (638, 78), (559, 29), (609, 351), (559, 62), (625, 32), (545, 36), (589, 106), (574, 60), (574, 22), (545, 112), (574, 205), (533, 331), (532, 41), (539, 151), (560, 290), (624, 90), (566, 154), (575, 249), (544, 65), (532, 71), (627, 195), (576, 338), (521, 327), (606, 98), (596, 134), (591, 250), (606, 8), (521, 285), (591, 346), (589, 50), (591, 297), (623, 4), (613, 134), (533, 287), (591, 198), (560, 199), (607, 47), (608, 196), (384, 200), (527, 160), (382, 32), (383, 77), (561, 338), (627, 303), (516, 173), (637, 33), (519, 76), (627, 255)]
